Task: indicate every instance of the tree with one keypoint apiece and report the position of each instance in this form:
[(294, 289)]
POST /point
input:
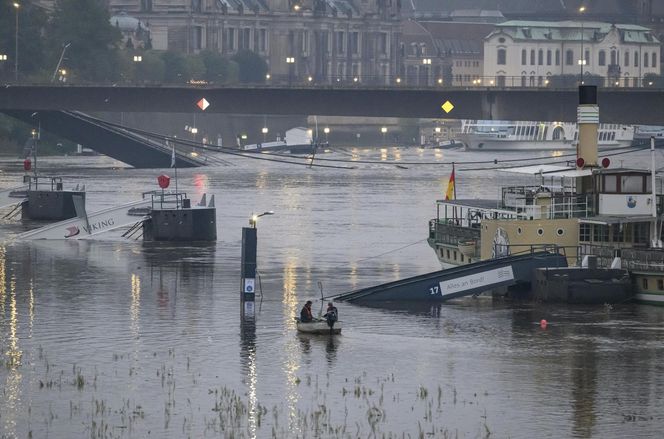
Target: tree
[(150, 69), (218, 69), (85, 24), (30, 46), (252, 67), (176, 69)]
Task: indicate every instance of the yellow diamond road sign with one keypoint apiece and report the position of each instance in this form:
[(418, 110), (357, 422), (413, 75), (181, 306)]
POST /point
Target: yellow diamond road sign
[(203, 104), (447, 107)]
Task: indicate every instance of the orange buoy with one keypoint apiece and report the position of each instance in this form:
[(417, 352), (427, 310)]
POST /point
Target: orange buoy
[(543, 323)]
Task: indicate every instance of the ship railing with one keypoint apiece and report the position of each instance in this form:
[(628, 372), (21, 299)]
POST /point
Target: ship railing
[(34, 181), (454, 235), (505, 250), (651, 259), (168, 200), (564, 202)]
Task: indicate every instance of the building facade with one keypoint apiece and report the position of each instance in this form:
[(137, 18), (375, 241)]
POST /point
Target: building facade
[(321, 41), (530, 53)]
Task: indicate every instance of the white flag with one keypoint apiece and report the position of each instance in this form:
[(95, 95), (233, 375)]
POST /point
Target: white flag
[(173, 157)]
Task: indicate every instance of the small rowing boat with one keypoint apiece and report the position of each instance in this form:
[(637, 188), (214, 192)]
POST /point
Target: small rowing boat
[(318, 327)]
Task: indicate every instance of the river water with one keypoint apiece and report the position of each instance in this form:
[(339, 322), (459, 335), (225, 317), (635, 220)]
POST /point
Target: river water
[(119, 338)]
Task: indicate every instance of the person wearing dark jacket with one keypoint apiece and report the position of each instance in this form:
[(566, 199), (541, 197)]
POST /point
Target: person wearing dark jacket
[(305, 314), (331, 315)]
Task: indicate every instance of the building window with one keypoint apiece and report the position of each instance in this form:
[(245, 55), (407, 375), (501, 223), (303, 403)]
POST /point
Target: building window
[(382, 43), (230, 39), (524, 57), (660, 284), (355, 43), (523, 81), (540, 57), (613, 58), (548, 57), (636, 59), (601, 60), (644, 283), (532, 57), (645, 60), (557, 57), (587, 57), (305, 43), (569, 57), (502, 57), (626, 58), (654, 59), (340, 42)]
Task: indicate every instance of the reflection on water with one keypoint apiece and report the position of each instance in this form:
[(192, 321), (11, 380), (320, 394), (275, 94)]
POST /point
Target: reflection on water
[(144, 339)]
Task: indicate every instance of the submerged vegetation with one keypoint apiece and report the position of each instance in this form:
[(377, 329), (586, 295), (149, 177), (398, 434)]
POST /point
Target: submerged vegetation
[(357, 407)]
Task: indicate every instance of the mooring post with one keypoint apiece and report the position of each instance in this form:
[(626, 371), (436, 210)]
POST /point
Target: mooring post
[(248, 271)]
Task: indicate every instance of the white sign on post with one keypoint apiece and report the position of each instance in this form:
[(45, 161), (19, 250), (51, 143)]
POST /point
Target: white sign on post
[(249, 285)]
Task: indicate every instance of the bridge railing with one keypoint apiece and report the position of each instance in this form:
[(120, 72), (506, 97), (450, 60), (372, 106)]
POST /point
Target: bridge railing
[(397, 81)]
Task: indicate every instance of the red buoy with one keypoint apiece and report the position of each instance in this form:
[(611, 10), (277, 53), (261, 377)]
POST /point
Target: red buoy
[(164, 181), (606, 162), (543, 323), (27, 164)]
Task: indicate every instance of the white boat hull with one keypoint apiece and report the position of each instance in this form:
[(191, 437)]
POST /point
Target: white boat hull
[(481, 143), (318, 327)]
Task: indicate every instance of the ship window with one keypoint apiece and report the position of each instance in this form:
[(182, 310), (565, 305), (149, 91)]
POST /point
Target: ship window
[(640, 233), (584, 232), (631, 184), (600, 233), (611, 184), (618, 233), (644, 283), (660, 284), (540, 231), (560, 232)]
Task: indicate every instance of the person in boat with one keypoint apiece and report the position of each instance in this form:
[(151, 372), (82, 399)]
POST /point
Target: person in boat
[(305, 315), (331, 315)]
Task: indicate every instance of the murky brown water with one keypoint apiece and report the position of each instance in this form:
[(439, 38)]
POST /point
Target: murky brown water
[(118, 338)]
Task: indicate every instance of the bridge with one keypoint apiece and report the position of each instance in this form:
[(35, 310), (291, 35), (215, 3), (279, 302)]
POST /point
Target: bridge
[(618, 105)]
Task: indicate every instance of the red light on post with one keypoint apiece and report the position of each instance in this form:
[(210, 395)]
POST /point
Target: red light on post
[(164, 181), (606, 162), (27, 165), (580, 162)]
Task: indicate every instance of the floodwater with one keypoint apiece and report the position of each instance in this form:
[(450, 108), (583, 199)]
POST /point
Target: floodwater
[(119, 338)]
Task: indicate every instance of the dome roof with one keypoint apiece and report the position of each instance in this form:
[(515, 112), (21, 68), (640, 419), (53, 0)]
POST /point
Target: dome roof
[(126, 23)]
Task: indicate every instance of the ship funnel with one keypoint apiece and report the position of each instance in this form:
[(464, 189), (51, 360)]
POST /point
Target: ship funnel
[(587, 115)]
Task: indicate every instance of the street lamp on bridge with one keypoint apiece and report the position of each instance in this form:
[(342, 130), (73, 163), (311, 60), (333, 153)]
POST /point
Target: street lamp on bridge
[(290, 60), (582, 61), (17, 6)]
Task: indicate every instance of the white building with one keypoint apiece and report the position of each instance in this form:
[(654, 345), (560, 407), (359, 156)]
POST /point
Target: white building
[(527, 53)]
